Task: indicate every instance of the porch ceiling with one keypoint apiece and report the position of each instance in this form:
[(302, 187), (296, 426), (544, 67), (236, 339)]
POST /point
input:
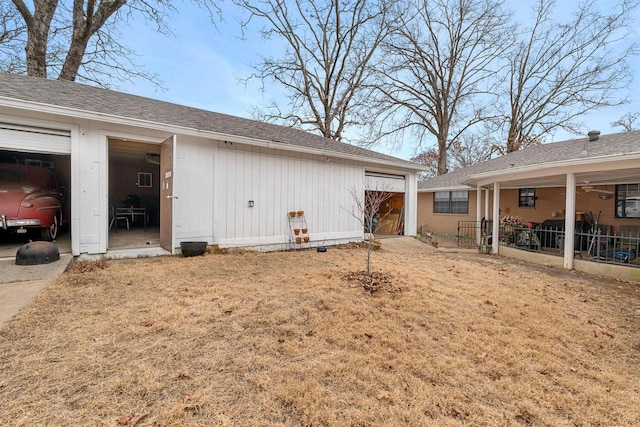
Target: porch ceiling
[(606, 177)]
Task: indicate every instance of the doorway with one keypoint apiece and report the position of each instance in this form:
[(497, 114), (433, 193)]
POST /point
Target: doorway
[(133, 195)]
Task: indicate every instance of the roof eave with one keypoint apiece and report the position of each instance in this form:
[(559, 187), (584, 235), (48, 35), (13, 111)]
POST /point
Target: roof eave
[(565, 166), (128, 121), (451, 188)]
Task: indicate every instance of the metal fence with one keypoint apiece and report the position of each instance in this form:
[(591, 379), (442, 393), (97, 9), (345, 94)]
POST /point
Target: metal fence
[(468, 232), (596, 247)]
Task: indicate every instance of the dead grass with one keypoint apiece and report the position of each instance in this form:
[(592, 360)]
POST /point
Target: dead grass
[(282, 339)]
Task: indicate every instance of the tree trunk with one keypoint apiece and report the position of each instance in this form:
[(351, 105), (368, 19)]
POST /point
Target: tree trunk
[(85, 25), (38, 26), (513, 139), (442, 155)]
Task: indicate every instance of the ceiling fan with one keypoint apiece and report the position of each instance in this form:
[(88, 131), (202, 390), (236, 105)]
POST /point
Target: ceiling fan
[(605, 194), (589, 188)]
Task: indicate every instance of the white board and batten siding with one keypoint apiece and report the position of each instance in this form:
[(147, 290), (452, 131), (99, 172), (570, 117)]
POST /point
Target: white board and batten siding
[(278, 183), (194, 185)]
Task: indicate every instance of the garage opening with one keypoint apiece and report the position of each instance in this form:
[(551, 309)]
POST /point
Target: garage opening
[(389, 220), (35, 193), (134, 194)]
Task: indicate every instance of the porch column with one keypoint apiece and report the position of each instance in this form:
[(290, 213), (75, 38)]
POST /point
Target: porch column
[(479, 213), (570, 221), (496, 218)]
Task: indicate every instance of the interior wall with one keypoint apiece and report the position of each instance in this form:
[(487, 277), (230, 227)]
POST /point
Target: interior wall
[(390, 211), (124, 192), (123, 178)]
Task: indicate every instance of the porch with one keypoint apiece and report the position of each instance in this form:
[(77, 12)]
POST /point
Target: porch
[(599, 249)]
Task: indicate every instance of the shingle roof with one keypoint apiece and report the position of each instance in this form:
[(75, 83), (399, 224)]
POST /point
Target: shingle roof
[(543, 154), (91, 99)]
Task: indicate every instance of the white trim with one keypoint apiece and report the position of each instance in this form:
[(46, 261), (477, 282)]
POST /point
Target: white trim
[(173, 194), (284, 239), (76, 173), (542, 170), (453, 188)]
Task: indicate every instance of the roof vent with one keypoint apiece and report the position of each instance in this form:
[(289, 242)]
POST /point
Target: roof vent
[(594, 135)]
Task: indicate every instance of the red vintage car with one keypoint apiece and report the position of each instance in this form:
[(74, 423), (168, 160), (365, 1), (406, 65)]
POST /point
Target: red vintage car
[(30, 199)]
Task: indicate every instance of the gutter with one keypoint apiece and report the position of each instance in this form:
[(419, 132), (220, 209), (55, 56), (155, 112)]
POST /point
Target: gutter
[(456, 188), (564, 166), (110, 118)]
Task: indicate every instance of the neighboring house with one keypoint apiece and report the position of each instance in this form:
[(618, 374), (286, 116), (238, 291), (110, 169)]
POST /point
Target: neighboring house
[(195, 174), (562, 180)]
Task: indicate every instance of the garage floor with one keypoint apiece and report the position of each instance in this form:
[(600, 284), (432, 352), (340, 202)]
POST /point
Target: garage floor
[(134, 238), (10, 243), (123, 239)]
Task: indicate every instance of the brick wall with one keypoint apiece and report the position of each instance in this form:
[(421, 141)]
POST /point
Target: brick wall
[(550, 204)]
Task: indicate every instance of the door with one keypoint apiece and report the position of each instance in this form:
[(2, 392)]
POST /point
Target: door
[(167, 198)]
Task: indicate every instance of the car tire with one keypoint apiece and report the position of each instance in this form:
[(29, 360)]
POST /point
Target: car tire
[(50, 233)]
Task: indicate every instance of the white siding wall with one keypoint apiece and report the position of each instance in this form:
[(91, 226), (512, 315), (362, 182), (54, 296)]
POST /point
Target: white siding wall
[(214, 182), (279, 183)]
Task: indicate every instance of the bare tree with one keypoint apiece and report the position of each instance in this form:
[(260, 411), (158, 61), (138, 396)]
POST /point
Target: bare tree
[(81, 39), (365, 208), (427, 158), (559, 70), (627, 121), (328, 47), (11, 36), (467, 151), (437, 67), (470, 149)]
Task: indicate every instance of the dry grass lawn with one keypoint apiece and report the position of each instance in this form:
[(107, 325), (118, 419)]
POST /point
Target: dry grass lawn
[(282, 339)]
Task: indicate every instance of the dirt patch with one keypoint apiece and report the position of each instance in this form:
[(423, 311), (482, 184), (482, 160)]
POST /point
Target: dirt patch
[(282, 339)]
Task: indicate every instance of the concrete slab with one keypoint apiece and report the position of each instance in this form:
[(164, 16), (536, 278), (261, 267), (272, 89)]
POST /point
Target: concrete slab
[(19, 284)]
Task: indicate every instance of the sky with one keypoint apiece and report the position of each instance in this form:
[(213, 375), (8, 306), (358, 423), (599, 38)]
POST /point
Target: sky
[(204, 67)]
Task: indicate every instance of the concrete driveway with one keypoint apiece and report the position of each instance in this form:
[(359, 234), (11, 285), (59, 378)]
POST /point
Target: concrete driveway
[(19, 284)]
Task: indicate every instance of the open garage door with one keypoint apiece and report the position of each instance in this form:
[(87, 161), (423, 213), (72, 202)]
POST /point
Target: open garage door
[(389, 220), (45, 177), (34, 139), (384, 182)]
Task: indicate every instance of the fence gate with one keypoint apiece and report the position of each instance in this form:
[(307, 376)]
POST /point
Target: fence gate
[(468, 232)]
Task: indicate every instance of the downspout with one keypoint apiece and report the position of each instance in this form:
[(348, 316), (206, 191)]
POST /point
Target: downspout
[(486, 203)]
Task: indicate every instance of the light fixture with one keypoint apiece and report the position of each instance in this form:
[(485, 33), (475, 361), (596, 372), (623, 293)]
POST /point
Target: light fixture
[(250, 203)]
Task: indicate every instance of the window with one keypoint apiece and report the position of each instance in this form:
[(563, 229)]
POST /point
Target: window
[(144, 179), (456, 202), (628, 201), (527, 197)]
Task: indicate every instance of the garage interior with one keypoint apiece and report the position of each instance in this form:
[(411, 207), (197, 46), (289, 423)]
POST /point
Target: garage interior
[(10, 241), (390, 217), (134, 194)]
